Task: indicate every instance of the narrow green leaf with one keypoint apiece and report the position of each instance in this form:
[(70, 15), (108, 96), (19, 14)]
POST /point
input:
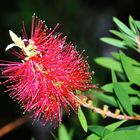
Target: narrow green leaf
[(132, 75), (134, 127), (109, 63), (82, 119), (93, 137), (127, 67), (131, 60), (120, 106), (133, 25), (123, 135), (99, 130), (123, 97), (116, 55), (137, 24), (123, 27), (129, 41), (114, 42), (71, 133), (105, 98), (138, 128), (122, 76), (114, 78), (125, 85), (119, 34), (135, 100), (112, 127), (63, 133)]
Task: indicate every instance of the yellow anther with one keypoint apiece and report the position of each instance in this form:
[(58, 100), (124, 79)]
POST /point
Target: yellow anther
[(117, 112), (90, 103), (84, 99), (105, 110)]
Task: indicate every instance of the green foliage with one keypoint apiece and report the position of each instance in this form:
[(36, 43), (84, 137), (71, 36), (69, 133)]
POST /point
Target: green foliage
[(105, 98), (124, 90), (93, 137), (129, 69), (119, 93), (123, 135), (82, 119), (100, 132), (112, 127), (63, 133), (127, 37), (125, 85), (109, 63), (113, 42), (123, 98)]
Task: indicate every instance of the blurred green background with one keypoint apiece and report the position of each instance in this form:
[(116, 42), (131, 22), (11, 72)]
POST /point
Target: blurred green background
[(83, 22)]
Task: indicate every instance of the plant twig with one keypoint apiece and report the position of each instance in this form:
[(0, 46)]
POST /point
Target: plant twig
[(13, 125), (105, 112)]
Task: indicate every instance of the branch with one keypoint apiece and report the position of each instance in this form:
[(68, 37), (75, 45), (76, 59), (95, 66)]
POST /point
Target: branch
[(105, 112), (13, 125)]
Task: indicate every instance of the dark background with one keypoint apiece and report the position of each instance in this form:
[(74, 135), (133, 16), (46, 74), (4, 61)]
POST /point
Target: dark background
[(83, 22)]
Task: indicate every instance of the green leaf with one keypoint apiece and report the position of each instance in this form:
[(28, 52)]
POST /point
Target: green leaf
[(116, 55), (123, 27), (109, 63), (99, 130), (119, 34), (82, 119), (134, 127), (93, 137), (123, 135), (122, 76), (114, 42), (125, 38), (133, 25), (63, 133), (135, 100), (105, 98), (125, 85), (137, 24), (132, 61), (138, 128), (129, 69), (115, 125), (71, 133), (123, 98), (114, 78)]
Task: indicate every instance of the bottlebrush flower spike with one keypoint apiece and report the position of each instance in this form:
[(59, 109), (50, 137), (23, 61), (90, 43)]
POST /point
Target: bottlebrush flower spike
[(50, 72)]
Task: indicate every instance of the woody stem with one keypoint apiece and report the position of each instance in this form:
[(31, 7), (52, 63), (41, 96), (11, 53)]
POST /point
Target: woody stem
[(13, 125), (105, 112)]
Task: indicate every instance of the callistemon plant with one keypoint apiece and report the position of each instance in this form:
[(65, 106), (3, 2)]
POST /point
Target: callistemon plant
[(49, 73)]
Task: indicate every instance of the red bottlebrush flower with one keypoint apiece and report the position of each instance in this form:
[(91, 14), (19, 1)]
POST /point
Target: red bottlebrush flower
[(50, 72)]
